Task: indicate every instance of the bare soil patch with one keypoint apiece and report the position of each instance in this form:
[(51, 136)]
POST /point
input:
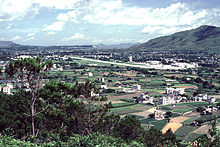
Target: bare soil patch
[(174, 124)]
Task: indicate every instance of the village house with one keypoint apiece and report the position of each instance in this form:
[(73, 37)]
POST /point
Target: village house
[(137, 87), (103, 86), (203, 98), (144, 99), (170, 90), (171, 99), (159, 115), (90, 74), (7, 88)]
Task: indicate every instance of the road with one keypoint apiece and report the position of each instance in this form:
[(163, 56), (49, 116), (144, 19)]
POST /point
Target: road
[(163, 67)]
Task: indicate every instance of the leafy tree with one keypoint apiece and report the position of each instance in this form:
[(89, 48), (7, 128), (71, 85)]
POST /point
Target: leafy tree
[(128, 128), (13, 120), (30, 72), (108, 123), (93, 109), (152, 137)]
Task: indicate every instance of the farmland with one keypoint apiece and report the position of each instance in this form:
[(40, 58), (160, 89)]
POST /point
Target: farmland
[(118, 79)]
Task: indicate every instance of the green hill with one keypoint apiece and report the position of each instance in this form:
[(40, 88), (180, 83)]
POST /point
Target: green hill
[(203, 38)]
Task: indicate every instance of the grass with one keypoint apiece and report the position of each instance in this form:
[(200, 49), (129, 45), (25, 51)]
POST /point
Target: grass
[(183, 85), (191, 137), (125, 111), (152, 90), (127, 107), (159, 124), (184, 130), (117, 105), (183, 110), (176, 115), (137, 116), (146, 120), (127, 100), (165, 108), (188, 121)]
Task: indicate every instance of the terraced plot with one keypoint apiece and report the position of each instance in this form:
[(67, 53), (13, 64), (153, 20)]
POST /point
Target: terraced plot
[(174, 124)]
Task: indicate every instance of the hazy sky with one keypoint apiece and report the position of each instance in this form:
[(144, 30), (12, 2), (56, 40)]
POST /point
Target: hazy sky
[(69, 22)]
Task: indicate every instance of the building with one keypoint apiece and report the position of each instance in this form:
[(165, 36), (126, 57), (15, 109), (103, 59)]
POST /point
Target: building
[(137, 87), (170, 90), (158, 115), (90, 74), (171, 99), (203, 97), (211, 100), (144, 99), (130, 59), (7, 88), (101, 79), (103, 86)]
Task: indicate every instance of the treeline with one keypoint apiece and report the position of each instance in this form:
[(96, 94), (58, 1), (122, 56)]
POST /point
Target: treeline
[(71, 115)]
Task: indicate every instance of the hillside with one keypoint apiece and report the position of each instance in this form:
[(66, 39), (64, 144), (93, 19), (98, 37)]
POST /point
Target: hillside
[(203, 38), (6, 43)]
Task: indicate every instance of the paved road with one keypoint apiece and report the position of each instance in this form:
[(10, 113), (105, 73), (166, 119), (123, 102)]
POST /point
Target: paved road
[(131, 65)]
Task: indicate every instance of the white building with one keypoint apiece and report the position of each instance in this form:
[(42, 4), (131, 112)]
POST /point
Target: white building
[(154, 62), (90, 74), (6, 89), (170, 90), (211, 99), (103, 86), (137, 87), (145, 99), (130, 59), (171, 99), (201, 97)]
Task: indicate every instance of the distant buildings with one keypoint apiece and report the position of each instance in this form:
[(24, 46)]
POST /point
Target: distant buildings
[(130, 59), (137, 87), (171, 99), (203, 97), (173, 96), (176, 91), (144, 99), (159, 115), (90, 74), (7, 88)]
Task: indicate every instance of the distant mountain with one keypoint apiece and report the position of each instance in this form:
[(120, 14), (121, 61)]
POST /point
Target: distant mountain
[(203, 38), (6, 43), (116, 46)]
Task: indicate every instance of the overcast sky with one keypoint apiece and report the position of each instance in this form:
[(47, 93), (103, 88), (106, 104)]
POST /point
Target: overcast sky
[(70, 22)]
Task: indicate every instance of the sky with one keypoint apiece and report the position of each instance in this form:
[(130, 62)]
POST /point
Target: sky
[(83, 22)]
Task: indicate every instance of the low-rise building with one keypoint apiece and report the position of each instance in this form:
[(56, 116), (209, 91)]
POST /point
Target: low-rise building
[(144, 99), (158, 115), (137, 87), (170, 90)]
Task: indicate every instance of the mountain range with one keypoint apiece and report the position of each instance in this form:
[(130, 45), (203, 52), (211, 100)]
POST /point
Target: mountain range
[(204, 38)]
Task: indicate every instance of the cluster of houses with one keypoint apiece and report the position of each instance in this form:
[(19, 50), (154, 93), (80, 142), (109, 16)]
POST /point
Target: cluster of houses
[(203, 98), (173, 95)]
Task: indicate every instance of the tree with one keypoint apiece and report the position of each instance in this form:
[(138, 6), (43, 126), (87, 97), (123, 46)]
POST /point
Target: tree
[(128, 128), (93, 109), (29, 71)]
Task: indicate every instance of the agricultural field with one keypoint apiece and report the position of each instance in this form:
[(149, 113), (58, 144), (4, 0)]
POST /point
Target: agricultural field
[(119, 80)]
